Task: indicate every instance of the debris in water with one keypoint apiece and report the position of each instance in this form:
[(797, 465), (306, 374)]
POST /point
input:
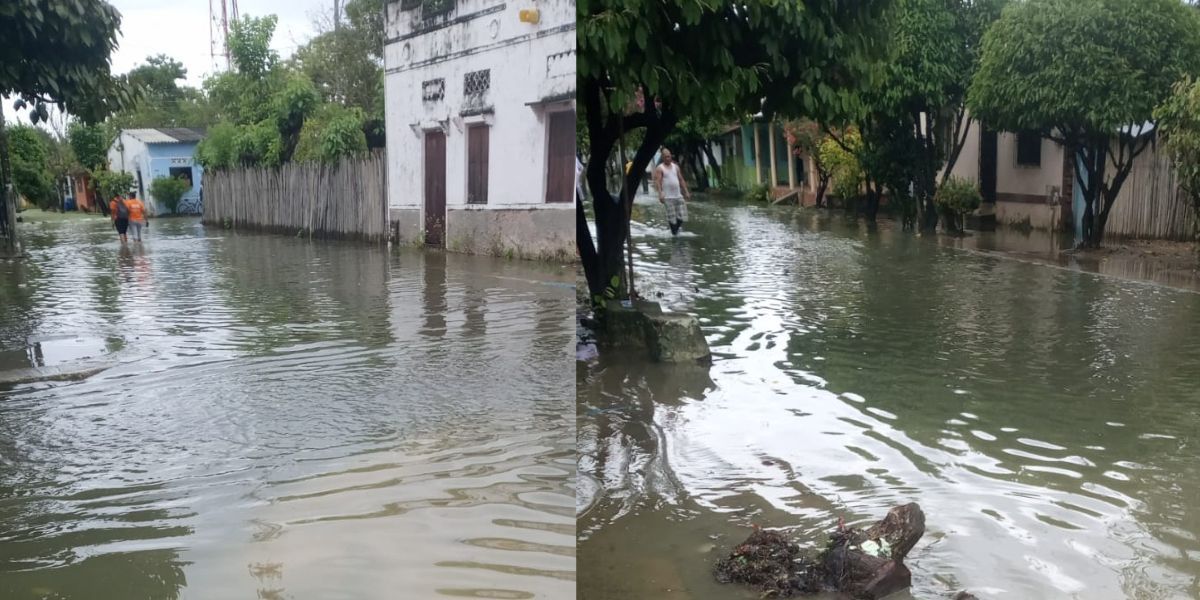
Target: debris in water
[(867, 564)]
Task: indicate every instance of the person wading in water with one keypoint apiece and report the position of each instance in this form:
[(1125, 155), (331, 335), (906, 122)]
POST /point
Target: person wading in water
[(672, 191), (119, 211)]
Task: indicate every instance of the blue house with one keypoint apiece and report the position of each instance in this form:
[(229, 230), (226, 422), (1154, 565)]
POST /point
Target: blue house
[(148, 154)]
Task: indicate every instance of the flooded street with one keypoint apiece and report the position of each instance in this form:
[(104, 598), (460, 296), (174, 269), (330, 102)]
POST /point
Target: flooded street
[(283, 419), (1046, 419)]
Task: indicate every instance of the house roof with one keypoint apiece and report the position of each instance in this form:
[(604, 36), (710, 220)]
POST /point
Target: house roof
[(167, 135)]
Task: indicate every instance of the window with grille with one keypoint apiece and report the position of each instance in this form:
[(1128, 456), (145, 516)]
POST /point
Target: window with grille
[(1029, 149), (475, 87), (433, 90), (478, 137)]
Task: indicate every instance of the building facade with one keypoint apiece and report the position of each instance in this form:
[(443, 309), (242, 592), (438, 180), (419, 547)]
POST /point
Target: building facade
[(148, 154), (480, 110)]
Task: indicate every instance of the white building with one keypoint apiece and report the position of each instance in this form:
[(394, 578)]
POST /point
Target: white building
[(480, 108), (148, 154)]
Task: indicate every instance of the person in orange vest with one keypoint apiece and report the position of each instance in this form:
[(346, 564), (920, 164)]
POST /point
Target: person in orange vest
[(119, 213), (137, 216)]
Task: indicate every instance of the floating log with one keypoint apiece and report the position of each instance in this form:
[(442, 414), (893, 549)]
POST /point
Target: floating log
[(867, 564)]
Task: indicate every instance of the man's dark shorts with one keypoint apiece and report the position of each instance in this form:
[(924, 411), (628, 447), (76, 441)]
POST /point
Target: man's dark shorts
[(122, 226)]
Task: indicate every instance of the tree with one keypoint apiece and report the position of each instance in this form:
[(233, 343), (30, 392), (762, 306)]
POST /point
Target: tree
[(90, 144), (1179, 126), (332, 134), (840, 157), (1086, 74), (31, 166), (55, 52), (163, 102), (345, 62), (936, 53), (805, 137), (691, 142), (703, 60)]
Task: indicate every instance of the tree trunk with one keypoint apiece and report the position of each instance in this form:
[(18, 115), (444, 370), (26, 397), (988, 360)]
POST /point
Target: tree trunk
[(872, 208), (8, 207), (604, 267), (822, 186), (698, 170)]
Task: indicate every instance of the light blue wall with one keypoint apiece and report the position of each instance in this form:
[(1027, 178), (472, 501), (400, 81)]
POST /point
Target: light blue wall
[(157, 163)]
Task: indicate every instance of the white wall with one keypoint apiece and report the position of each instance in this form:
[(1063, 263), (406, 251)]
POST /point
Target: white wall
[(528, 63), (1012, 178)]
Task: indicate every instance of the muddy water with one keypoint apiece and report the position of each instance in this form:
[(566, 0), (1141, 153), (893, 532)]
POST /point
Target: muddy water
[(1047, 419), (285, 420)]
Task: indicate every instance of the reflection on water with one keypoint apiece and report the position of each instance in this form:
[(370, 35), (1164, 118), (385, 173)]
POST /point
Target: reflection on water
[(1045, 418), (288, 420)]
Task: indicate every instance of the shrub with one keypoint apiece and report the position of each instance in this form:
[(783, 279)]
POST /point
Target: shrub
[(35, 184), (958, 196), (332, 134), (168, 190), (759, 193), (216, 150)]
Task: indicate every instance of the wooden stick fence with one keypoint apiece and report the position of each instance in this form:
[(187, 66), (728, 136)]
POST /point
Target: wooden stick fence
[(347, 200), (1150, 204)]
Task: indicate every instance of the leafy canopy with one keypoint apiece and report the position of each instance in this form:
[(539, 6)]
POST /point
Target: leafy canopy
[(1083, 67), (90, 145), (1179, 126), (57, 52), (710, 59)]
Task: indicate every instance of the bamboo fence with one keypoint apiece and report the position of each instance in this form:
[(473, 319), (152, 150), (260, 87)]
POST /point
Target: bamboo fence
[(1150, 204), (347, 200)]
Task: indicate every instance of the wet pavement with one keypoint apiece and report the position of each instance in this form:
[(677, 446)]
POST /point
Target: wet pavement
[(283, 419), (1045, 417)]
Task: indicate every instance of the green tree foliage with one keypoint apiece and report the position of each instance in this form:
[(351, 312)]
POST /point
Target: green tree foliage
[(250, 45), (90, 145), (217, 149), (113, 183), (345, 62), (331, 135), (913, 117), (692, 138), (1082, 73), (840, 157), (30, 166), (1179, 125), (55, 52), (706, 60), (262, 103), (167, 191), (163, 102)]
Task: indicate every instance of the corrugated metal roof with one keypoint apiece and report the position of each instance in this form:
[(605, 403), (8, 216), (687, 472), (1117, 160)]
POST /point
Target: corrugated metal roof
[(167, 135), (151, 136), (184, 134)]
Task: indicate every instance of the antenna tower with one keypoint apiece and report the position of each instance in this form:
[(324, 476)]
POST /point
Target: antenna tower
[(220, 14)]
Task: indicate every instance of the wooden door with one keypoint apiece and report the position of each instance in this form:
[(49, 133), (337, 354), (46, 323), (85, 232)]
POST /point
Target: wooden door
[(560, 159), (435, 189), (987, 165)]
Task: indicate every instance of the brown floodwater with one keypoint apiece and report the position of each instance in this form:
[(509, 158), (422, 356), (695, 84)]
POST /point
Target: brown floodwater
[(284, 419), (1044, 412)]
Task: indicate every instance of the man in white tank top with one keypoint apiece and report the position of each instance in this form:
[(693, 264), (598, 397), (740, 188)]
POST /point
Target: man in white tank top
[(672, 191)]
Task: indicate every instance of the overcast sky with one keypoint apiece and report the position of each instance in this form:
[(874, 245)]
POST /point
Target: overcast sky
[(179, 29)]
